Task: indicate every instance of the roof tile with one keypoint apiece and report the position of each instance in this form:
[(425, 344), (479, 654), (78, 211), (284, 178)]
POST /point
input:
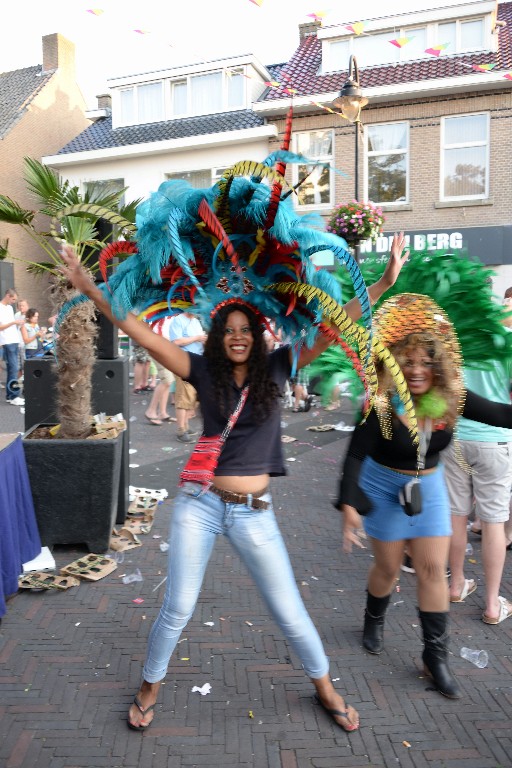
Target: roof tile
[(17, 89), (101, 135)]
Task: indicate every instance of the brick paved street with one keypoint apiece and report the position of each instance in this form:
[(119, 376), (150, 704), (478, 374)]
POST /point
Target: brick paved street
[(70, 661)]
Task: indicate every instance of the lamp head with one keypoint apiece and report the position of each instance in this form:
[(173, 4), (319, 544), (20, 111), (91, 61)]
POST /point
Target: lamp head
[(351, 100)]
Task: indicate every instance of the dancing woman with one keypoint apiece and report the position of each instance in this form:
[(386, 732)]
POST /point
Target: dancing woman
[(237, 256), (383, 459), (238, 503)]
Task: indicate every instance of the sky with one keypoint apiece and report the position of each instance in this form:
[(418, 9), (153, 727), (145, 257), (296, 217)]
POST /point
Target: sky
[(170, 32)]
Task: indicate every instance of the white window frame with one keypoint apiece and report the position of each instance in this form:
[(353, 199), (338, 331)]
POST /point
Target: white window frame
[(224, 95), (406, 152), (486, 143), (135, 118), (330, 63), (322, 158), (458, 33)]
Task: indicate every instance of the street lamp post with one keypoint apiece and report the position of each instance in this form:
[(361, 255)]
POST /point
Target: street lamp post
[(350, 102)]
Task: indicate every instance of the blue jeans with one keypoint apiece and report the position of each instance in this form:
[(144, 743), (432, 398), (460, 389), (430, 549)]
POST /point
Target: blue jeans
[(256, 537), (11, 363)]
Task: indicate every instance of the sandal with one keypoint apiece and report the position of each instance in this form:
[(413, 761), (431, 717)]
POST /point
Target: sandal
[(505, 612), (144, 712), (153, 420), (337, 713), (468, 589)]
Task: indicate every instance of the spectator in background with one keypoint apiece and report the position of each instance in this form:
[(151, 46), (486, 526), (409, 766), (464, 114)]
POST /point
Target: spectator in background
[(32, 334), (156, 412), (9, 341), (186, 332), (20, 314), (141, 365), (488, 451), (301, 398)]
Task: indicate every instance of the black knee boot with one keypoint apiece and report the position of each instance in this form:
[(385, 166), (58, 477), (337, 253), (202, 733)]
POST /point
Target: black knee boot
[(435, 654), (373, 632)]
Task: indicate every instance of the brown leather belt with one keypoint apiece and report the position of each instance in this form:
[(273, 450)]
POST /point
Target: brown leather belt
[(251, 499)]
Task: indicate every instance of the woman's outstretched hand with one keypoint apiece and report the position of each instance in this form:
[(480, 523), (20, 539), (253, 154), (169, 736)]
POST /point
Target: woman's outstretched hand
[(397, 259), (351, 528), (74, 272)]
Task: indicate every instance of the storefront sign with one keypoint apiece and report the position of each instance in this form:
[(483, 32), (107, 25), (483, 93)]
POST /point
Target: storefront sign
[(491, 245)]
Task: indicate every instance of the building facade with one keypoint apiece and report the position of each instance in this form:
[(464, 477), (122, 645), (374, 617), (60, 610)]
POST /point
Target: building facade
[(432, 141), (42, 109)]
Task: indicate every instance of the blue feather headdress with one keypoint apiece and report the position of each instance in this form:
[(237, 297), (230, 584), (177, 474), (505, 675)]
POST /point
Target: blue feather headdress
[(197, 250)]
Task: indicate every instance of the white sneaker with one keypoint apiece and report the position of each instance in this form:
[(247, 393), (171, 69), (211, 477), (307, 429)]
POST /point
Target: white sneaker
[(17, 401)]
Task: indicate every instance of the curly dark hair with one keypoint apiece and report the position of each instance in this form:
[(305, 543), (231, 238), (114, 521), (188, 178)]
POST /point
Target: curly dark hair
[(264, 391)]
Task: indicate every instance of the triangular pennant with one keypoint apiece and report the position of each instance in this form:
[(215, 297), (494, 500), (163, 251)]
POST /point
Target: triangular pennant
[(401, 41)]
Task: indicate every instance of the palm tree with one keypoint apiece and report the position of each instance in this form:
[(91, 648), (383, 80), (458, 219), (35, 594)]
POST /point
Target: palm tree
[(73, 218)]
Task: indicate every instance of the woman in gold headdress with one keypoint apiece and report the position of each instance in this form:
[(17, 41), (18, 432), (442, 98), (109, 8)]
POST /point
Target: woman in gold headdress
[(392, 475)]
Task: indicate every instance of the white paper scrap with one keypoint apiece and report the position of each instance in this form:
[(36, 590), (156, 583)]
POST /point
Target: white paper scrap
[(204, 690)]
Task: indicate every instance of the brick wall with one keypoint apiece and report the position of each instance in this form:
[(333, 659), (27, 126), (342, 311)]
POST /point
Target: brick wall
[(54, 117), (424, 117)]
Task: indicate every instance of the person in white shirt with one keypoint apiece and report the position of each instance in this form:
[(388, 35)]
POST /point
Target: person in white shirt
[(9, 342), (20, 314)]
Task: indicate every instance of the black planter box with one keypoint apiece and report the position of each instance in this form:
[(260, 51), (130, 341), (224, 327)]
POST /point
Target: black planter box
[(75, 486), (110, 394)]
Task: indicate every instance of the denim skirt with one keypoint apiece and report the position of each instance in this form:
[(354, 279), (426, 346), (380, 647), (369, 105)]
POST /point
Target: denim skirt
[(387, 520)]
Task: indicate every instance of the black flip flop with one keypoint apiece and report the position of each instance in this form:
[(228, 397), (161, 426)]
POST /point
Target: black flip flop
[(144, 712)]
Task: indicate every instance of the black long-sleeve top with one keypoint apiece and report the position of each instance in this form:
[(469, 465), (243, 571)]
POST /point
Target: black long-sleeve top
[(400, 452)]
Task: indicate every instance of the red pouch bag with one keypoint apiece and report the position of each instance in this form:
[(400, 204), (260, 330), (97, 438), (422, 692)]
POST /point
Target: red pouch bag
[(202, 463)]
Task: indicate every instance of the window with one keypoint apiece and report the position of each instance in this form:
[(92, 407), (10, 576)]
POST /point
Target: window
[(447, 34), (179, 97), (337, 53), (465, 157), (235, 88), (150, 102), (208, 93), (317, 187), (462, 35), (471, 35), (376, 48), (127, 103), (196, 179), (415, 48), (142, 104), (388, 162), (103, 187)]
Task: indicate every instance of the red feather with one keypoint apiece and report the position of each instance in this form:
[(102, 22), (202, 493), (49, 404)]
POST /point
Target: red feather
[(114, 249), (214, 226), (277, 188)]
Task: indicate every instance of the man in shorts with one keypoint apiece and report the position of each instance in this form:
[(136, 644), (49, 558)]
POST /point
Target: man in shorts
[(488, 451), (186, 332)]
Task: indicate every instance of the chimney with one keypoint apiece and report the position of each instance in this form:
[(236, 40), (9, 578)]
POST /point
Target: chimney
[(105, 101), (58, 53), (308, 29)]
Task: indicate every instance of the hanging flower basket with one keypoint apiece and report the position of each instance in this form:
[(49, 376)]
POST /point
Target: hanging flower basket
[(356, 221)]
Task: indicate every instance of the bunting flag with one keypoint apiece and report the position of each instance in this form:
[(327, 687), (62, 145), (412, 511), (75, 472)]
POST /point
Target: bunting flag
[(437, 49), (483, 67), (401, 41), (142, 31), (356, 28), (508, 76), (259, 3), (95, 11), (317, 15)]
